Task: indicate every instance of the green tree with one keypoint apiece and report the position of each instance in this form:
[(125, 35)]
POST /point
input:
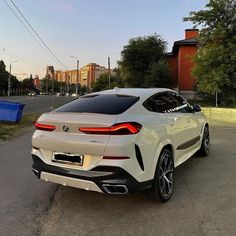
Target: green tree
[(58, 86), (215, 63), (3, 77), (84, 90), (27, 84), (15, 83), (144, 63), (102, 83)]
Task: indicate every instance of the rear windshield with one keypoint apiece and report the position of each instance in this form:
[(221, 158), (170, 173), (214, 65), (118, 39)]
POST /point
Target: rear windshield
[(112, 104)]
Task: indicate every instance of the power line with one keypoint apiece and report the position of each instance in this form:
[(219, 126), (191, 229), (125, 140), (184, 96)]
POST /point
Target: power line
[(31, 27), (21, 21), (14, 55), (20, 71), (3, 50), (38, 38)]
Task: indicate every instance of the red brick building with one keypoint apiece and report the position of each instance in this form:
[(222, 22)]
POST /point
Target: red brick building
[(37, 82), (181, 63)]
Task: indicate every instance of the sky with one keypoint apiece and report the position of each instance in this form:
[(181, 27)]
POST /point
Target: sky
[(90, 30)]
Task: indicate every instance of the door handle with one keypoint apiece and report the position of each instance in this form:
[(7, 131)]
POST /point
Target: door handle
[(172, 122), (188, 120)]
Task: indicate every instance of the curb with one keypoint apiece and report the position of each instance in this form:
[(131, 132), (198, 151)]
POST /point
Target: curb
[(220, 114)]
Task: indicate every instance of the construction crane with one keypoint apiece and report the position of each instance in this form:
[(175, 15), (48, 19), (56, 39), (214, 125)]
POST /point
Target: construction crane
[(20, 74)]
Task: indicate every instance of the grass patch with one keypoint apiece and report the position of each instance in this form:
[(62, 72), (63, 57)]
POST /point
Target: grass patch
[(8, 130)]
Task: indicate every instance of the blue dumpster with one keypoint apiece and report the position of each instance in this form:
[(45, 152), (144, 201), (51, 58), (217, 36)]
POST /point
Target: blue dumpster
[(11, 111)]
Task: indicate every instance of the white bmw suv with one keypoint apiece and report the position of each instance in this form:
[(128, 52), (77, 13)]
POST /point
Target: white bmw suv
[(119, 141)]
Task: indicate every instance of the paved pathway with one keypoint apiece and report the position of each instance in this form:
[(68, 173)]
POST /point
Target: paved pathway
[(204, 201)]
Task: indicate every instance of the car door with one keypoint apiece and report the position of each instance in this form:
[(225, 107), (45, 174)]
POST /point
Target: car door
[(194, 126), (192, 132), (177, 124)]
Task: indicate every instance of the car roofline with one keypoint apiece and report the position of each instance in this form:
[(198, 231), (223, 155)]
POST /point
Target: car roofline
[(143, 93)]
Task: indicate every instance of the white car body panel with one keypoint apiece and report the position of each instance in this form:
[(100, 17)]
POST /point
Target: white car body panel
[(67, 181)]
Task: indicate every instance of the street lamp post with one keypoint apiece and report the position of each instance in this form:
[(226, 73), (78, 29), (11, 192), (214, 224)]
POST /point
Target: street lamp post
[(9, 80), (77, 75), (109, 73), (77, 78)]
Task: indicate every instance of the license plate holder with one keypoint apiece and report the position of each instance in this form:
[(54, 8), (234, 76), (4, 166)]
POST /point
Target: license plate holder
[(68, 158)]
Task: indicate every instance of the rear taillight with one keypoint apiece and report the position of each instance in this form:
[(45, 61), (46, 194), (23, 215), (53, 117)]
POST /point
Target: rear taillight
[(44, 126), (116, 129)]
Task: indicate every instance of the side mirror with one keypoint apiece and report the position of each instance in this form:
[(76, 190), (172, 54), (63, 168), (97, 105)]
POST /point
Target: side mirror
[(196, 108)]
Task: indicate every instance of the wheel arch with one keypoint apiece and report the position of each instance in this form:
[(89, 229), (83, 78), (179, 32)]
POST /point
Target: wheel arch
[(170, 147), (202, 131), (159, 150)]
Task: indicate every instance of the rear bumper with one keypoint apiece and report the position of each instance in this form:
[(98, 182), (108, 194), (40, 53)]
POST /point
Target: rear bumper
[(100, 179)]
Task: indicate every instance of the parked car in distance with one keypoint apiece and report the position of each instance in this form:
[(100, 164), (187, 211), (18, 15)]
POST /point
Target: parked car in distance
[(120, 141), (32, 94), (61, 94), (73, 95)]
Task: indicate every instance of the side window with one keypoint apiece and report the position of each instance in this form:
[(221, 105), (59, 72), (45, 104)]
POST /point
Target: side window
[(161, 102), (181, 104), (167, 102), (150, 104)]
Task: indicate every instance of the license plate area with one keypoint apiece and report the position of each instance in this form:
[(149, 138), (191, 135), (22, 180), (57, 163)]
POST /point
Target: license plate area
[(68, 158)]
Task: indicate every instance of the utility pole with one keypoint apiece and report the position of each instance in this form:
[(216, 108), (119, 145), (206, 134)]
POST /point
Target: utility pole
[(47, 77), (60, 81), (9, 80), (216, 99), (67, 82), (109, 73), (9, 83), (77, 75), (52, 95), (53, 82), (77, 79)]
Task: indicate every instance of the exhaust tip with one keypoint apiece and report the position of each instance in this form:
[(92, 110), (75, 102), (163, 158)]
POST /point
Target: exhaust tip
[(115, 189)]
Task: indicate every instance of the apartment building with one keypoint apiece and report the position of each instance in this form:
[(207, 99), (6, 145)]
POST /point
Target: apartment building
[(90, 73), (87, 74)]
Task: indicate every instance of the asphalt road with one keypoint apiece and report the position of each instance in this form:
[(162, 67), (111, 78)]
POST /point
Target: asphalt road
[(204, 200), (39, 104)]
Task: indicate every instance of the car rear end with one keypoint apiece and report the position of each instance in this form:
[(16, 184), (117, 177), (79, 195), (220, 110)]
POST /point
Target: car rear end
[(85, 144)]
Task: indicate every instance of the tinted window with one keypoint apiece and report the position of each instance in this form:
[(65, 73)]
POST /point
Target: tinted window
[(166, 102), (112, 104), (161, 102), (182, 105)]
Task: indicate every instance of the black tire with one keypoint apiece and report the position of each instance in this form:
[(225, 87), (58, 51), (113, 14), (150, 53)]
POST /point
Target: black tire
[(162, 187), (205, 145)]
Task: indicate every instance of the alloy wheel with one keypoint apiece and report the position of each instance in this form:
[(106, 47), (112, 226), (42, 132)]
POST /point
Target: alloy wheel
[(166, 175), (206, 139)]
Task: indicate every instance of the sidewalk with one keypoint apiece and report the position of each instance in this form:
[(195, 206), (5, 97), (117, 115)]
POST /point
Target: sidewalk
[(23, 198)]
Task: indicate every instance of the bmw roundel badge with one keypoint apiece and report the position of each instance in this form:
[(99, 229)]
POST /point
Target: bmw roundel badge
[(65, 128)]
